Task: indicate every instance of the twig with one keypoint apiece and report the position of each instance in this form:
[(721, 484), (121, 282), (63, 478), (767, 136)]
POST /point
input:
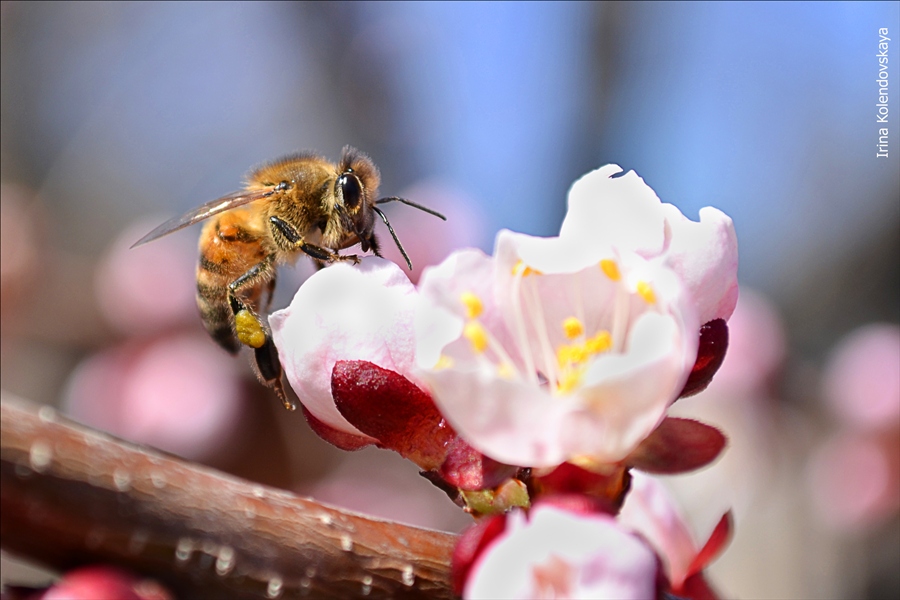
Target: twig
[(71, 495)]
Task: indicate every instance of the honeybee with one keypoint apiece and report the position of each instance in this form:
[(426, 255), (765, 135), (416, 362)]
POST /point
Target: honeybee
[(301, 203)]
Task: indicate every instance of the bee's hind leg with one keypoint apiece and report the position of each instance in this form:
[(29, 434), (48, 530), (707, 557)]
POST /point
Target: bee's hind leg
[(269, 369), (252, 330)]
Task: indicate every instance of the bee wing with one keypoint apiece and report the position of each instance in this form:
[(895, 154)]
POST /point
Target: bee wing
[(209, 209)]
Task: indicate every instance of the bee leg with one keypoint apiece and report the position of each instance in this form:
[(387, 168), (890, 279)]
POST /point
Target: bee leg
[(252, 330), (290, 233), (269, 368)]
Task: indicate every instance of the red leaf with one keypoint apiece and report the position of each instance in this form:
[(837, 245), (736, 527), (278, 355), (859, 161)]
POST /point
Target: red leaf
[(717, 541), (335, 437), (677, 446), (469, 469), (390, 408), (710, 354), (469, 547)]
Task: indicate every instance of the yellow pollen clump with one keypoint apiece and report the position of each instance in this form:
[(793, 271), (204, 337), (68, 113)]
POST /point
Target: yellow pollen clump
[(248, 329), (645, 291), (473, 304), (520, 268), (444, 362), (599, 343), (477, 335), (611, 269), (573, 328)]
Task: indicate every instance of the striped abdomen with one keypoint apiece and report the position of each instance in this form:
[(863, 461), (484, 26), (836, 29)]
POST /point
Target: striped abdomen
[(230, 245)]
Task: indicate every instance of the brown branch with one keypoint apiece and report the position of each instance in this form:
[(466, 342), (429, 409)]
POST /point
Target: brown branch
[(70, 495)]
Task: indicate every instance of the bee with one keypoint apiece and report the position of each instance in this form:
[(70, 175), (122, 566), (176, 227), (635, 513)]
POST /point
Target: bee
[(301, 203)]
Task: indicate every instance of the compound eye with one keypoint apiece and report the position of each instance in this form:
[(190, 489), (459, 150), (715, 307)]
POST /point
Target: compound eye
[(351, 189)]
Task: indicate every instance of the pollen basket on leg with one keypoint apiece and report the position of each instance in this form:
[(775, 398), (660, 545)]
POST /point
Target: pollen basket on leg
[(249, 330)]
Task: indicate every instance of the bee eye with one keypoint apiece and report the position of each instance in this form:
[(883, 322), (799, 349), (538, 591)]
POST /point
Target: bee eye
[(351, 189)]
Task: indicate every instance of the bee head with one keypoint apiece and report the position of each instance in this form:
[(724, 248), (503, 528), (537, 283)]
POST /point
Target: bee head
[(355, 190)]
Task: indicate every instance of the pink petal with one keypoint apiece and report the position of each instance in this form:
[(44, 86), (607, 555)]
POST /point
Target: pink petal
[(650, 511), (705, 256), (556, 554)]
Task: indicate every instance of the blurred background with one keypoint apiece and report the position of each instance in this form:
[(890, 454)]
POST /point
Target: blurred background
[(117, 116)]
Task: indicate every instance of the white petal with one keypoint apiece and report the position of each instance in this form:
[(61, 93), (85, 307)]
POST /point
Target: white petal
[(509, 420), (705, 256), (345, 313), (622, 212)]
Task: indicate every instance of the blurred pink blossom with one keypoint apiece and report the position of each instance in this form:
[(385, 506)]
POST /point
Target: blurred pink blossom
[(149, 288), (862, 378), (427, 240), (100, 582), (179, 393), (554, 553), (854, 480)]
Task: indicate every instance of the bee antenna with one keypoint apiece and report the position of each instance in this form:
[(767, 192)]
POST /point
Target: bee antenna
[(408, 203), (391, 229)]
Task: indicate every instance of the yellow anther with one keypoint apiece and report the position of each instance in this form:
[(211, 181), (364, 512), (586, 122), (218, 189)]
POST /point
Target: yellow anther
[(506, 371), (573, 328), (569, 381), (473, 304), (249, 330), (563, 354), (477, 335), (520, 268), (599, 343), (444, 362), (609, 266), (578, 354), (645, 291)]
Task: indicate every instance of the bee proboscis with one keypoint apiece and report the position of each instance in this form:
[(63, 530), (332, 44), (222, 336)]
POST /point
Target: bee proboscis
[(301, 203)]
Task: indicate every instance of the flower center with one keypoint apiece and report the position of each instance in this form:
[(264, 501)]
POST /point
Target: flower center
[(561, 368)]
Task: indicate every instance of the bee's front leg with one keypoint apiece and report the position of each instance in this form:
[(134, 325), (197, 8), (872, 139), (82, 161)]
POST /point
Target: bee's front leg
[(252, 330), (288, 232)]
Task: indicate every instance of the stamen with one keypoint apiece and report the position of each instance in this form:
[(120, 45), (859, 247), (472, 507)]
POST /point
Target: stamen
[(611, 269), (521, 333), (564, 355), (473, 304), (533, 305), (573, 328), (620, 318), (569, 381), (645, 291), (444, 362), (520, 268), (599, 343), (476, 334), (506, 371)]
